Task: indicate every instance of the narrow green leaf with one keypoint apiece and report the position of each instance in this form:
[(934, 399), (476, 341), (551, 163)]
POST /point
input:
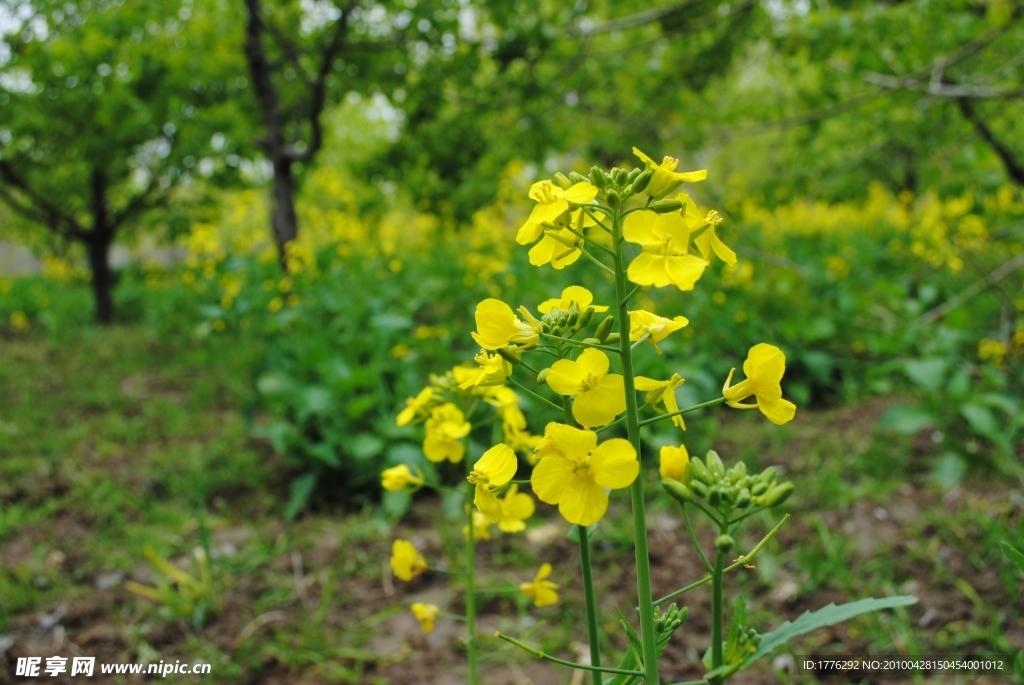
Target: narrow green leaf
[(1013, 554), (821, 618)]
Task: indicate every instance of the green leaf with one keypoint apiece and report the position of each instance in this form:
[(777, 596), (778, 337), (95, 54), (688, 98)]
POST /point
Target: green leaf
[(302, 488), (364, 446), (905, 419), (927, 373), (949, 469), (982, 420), (822, 618), (1013, 554), (574, 533)]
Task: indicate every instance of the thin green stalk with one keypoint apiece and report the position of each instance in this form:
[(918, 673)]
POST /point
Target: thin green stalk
[(631, 294), (716, 610), (590, 599), (662, 417), (596, 220), (584, 238), (572, 664), (470, 587), (637, 343), (530, 392), (595, 260), (742, 560), (693, 538), (636, 490), (579, 343)]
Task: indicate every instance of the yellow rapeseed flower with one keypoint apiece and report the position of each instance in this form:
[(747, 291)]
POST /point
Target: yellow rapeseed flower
[(516, 507), (542, 591), (406, 562), (560, 246), (658, 328), (764, 368), (674, 461), (574, 293), (445, 428), (662, 391), (666, 258), (425, 614), (666, 178), (415, 407), (575, 474), (493, 370), (552, 202), (497, 326), (397, 477), (494, 468), (600, 396), (709, 241)]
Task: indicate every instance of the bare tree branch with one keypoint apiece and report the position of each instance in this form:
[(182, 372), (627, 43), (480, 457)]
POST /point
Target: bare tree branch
[(1014, 168), (40, 209)]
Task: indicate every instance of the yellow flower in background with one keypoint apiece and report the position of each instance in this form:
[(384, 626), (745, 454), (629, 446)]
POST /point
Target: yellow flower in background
[(665, 239), (445, 428), (415, 406), (481, 527), (552, 202), (709, 241), (574, 293), (493, 370), (406, 562), (662, 391), (542, 591), (425, 614), (19, 322), (516, 507), (764, 368), (497, 326), (494, 468), (665, 178), (643, 323), (398, 477), (674, 461), (600, 396), (575, 474)]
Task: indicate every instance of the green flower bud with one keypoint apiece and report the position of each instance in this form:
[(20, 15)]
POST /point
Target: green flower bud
[(561, 181), (613, 198), (640, 182), (574, 317), (724, 543), (738, 471), (620, 176), (699, 488), (563, 321), (578, 178), (611, 339), (768, 475), (715, 496), (677, 490), (632, 175), (511, 356), (700, 472), (545, 327), (542, 377), (666, 206), (586, 317), (592, 341), (599, 178), (604, 328), (556, 331), (715, 465), (778, 494), (743, 499), (759, 488)]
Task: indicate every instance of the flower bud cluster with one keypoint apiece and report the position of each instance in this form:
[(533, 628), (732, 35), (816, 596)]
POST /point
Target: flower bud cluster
[(559, 323), (671, 620), (730, 490), (619, 184)]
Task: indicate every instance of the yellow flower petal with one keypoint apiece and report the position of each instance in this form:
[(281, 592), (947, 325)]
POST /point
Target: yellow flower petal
[(550, 477), (566, 377), (602, 403), (583, 501), (778, 411), (571, 442), (614, 464), (594, 362), (684, 270), (498, 464), (674, 461), (486, 502)]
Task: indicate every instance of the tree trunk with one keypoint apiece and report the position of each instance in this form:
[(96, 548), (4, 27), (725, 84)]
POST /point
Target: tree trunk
[(283, 219), (102, 278)]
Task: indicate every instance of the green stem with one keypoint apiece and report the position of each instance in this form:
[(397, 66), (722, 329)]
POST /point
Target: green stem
[(584, 238), (693, 538), (593, 636), (580, 343), (742, 560), (662, 417), (595, 260), (528, 391), (572, 664), (644, 337), (470, 588), (636, 490), (716, 611), (631, 294), (596, 220)]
